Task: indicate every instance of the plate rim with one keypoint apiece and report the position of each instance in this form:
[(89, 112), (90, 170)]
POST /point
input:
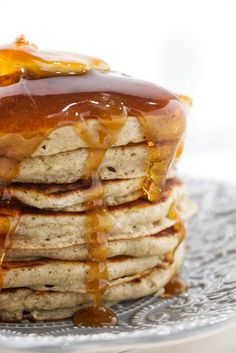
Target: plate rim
[(147, 336)]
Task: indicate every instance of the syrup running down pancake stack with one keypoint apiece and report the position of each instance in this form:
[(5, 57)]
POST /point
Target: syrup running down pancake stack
[(92, 212)]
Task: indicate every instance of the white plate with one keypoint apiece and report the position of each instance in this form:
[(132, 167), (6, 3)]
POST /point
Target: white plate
[(201, 315)]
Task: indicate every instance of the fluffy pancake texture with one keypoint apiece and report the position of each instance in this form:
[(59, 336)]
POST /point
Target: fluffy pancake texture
[(66, 138), (22, 303), (74, 197), (67, 167), (46, 274), (138, 248), (139, 218), (142, 236), (157, 244)]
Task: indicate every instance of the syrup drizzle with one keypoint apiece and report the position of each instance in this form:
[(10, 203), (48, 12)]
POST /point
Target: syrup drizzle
[(176, 285), (41, 91), (178, 227), (111, 120)]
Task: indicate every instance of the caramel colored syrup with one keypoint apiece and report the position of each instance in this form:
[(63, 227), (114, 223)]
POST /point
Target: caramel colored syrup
[(179, 149), (185, 100), (111, 117), (14, 148), (9, 217), (22, 59), (95, 316), (163, 133), (175, 286), (178, 227), (42, 91)]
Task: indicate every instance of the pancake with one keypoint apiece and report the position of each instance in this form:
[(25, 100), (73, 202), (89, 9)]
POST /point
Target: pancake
[(67, 167), (22, 303), (150, 245), (73, 197), (38, 229), (125, 162), (66, 138), (47, 274)]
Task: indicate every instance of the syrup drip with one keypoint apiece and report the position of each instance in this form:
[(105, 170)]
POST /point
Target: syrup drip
[(111, 118), (163, 134), (9, 218), (14, 149), (175, 286), (178, 227), (179, 149), (98, 316), (41, 91)]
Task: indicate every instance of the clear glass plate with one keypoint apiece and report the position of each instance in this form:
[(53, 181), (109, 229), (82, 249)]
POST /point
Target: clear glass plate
[(210, 271)]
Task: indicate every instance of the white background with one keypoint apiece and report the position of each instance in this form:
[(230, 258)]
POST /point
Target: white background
[(186, 46)]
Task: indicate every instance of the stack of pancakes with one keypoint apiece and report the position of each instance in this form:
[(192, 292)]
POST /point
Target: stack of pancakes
[(91, 210), (45, 269)]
